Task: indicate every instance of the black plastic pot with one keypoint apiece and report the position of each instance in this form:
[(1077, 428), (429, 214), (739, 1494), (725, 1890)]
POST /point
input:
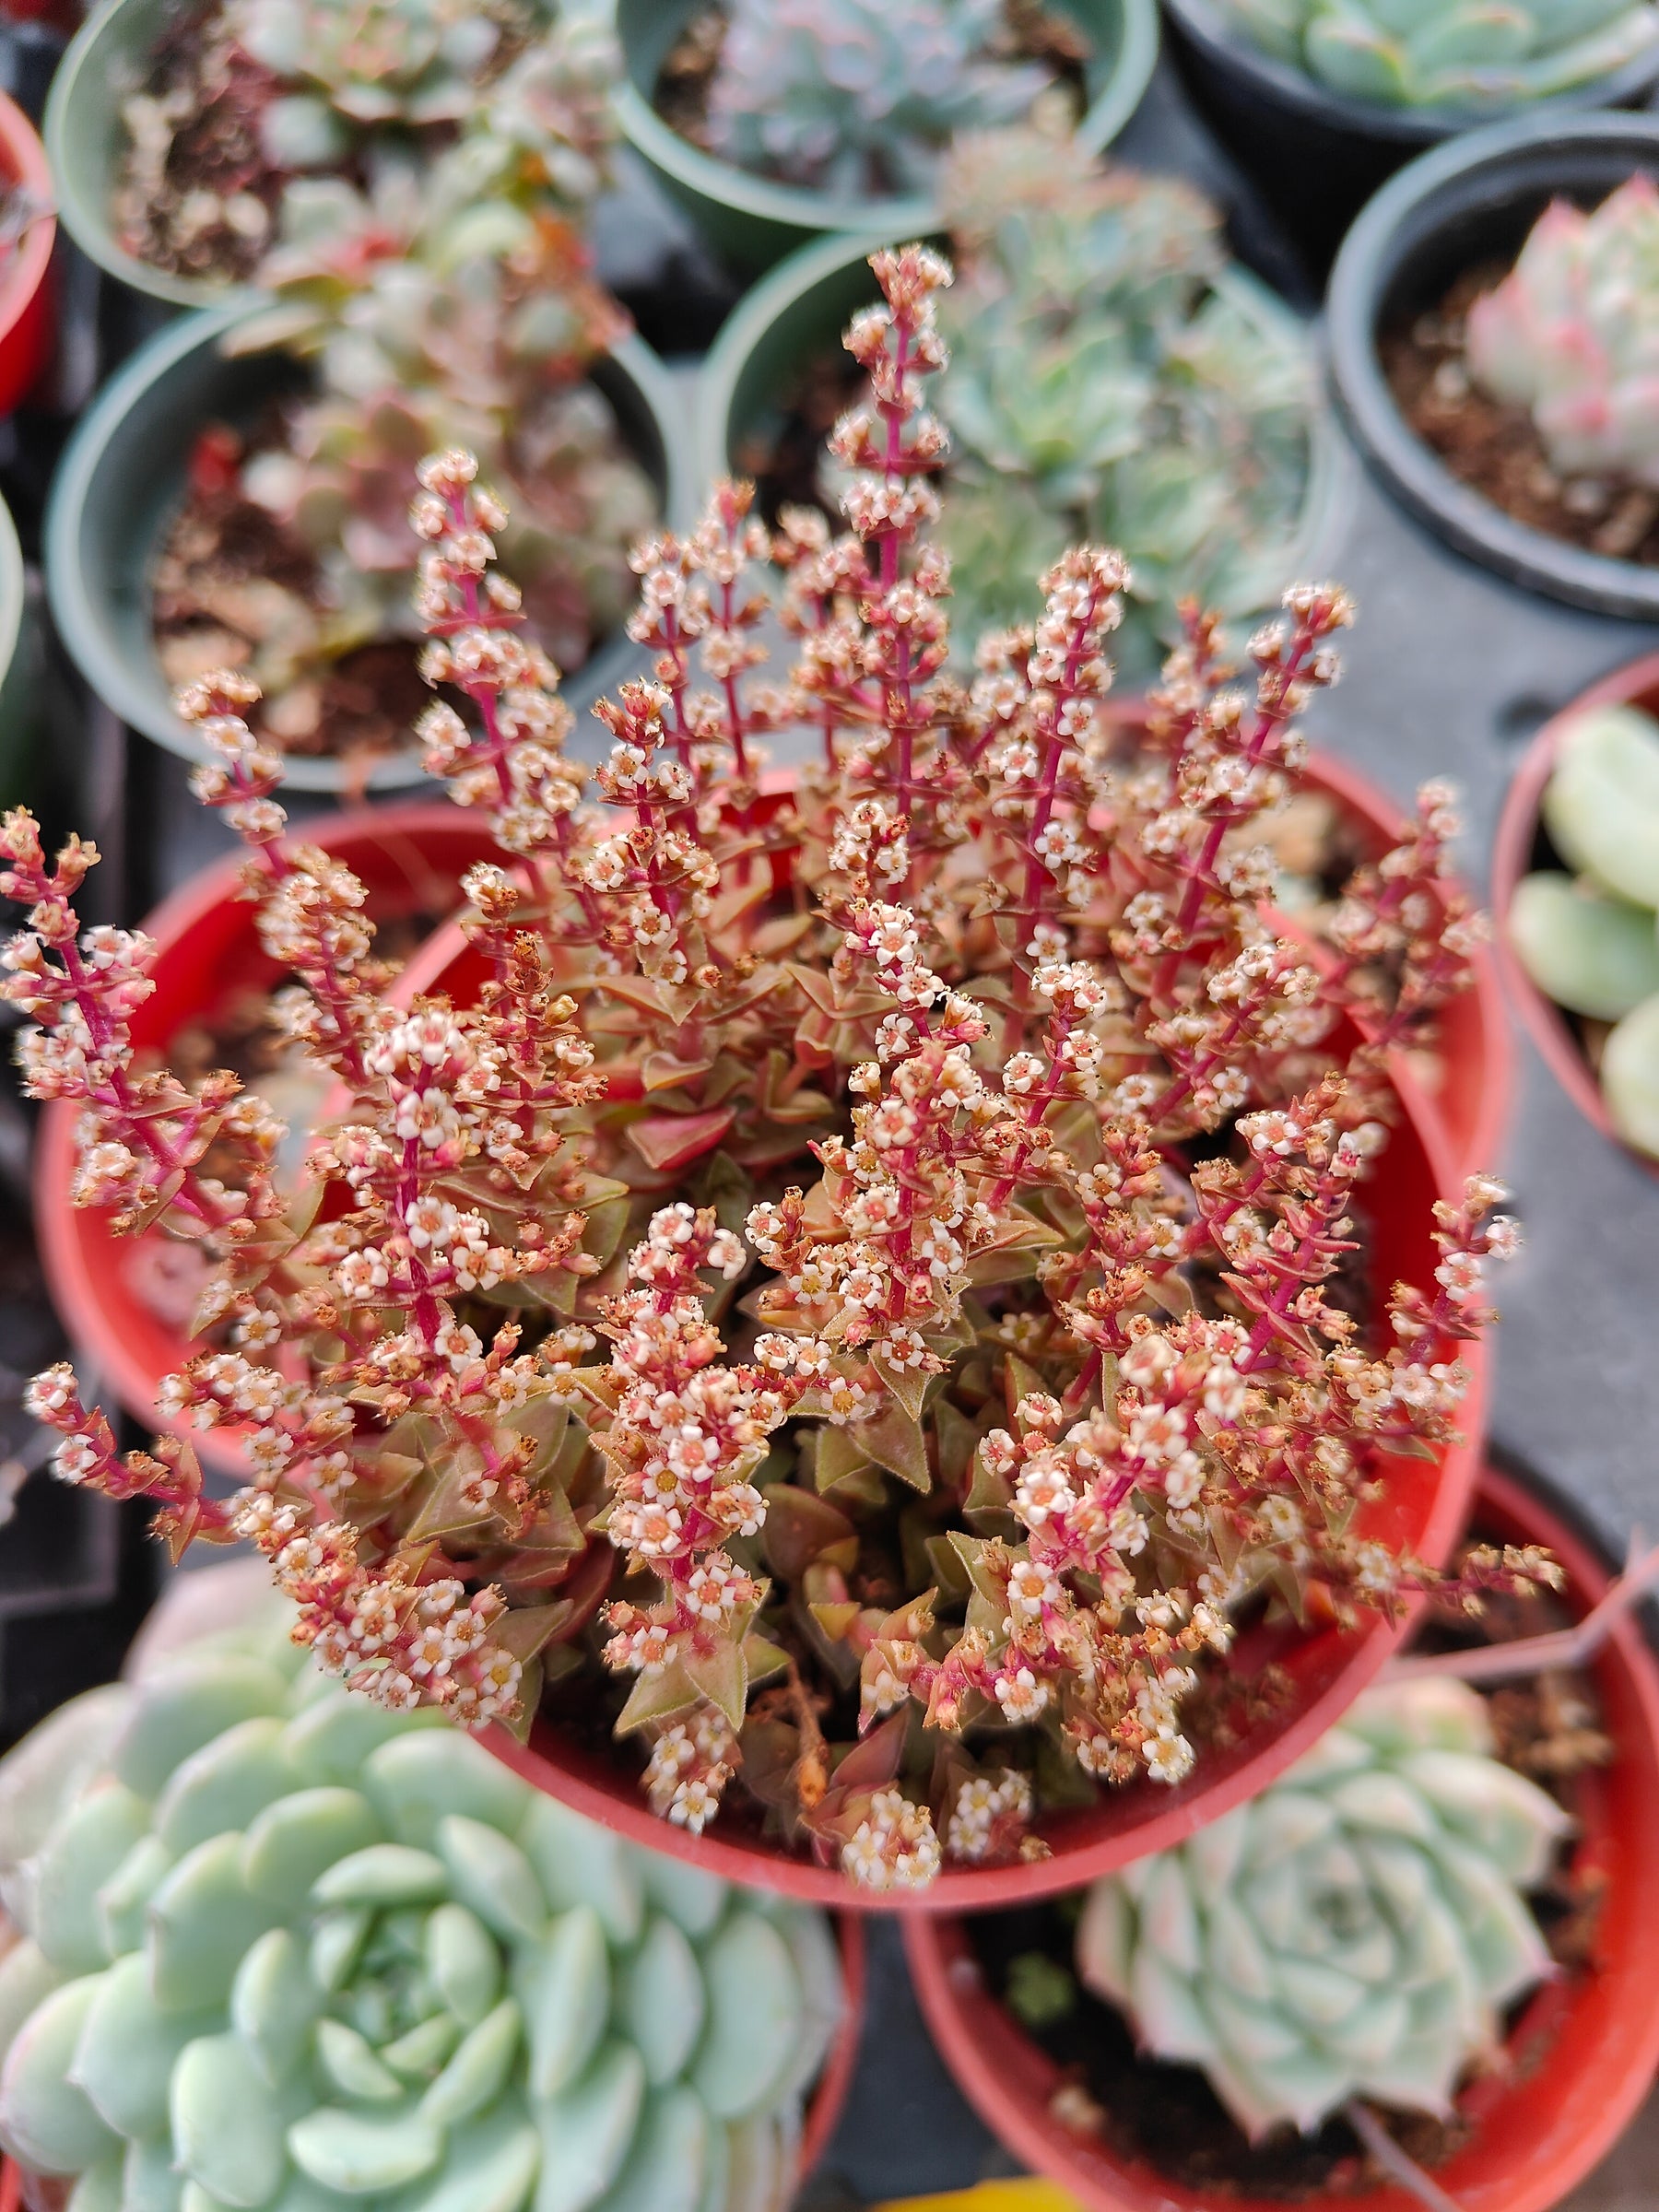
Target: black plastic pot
[(1316, 157), (1453, 209)]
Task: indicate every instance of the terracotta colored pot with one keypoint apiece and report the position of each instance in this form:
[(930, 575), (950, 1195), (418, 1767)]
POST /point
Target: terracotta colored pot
[(1424, 1507), (1515, 856), (411, 859), (1584, 2052), (829, 2097), (26, 319)]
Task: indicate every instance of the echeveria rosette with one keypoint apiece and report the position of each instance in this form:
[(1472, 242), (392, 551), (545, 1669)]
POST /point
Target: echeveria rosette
[(1589, 940), (282, 1950), (1102, 385), (1449, 53), (1353, 1932), (1573, 334), (860, 95)]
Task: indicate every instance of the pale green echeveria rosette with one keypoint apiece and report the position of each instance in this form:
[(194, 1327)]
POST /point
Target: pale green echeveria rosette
[(1353, 1932), (1449, 53), (1590, 939), (1107, 381), (286, 1952), (859, 96)]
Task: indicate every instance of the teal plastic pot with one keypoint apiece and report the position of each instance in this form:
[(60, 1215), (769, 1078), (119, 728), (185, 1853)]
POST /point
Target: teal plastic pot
[(122, 479), (108, 58), (752, 222), (805, 303)]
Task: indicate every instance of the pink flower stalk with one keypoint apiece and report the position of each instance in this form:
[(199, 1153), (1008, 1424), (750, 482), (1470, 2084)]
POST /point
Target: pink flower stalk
[(868, 1290)]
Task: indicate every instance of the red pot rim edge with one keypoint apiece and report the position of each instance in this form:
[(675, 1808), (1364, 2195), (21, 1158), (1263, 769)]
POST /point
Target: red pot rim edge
[(829, 2097), (76, 1244), (986, 2053), (23, 157), (1511, 859)]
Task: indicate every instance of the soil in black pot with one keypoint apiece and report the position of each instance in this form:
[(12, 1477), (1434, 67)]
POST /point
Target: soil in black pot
[(1167, 2116), (1494, 448)]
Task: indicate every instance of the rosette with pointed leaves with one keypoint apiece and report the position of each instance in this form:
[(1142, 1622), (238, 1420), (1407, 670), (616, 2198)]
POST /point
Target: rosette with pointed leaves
[(1460, 53), (859, 96), (1100, 385), (1354, 1931), (282, 1949), (1572, 335)]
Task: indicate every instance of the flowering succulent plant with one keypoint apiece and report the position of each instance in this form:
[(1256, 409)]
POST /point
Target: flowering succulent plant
[(1456, 53), (856, 1263), (277, 1946), (245, 97), (1102, 387), (1573, 334), (1355, 1931), (857, 96)]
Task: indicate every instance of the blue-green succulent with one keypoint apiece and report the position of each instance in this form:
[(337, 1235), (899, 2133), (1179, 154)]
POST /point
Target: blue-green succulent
[(283, 1951)]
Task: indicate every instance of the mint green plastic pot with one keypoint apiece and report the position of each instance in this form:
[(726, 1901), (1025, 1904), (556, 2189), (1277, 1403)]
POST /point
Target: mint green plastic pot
[(122, 479), (802, 306), (751, 222), (22, 672), (108, 58)]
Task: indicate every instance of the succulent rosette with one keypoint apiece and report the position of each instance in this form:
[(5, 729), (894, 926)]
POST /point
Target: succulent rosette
[(281, 1948), (1573, 334), (1353, 1932)]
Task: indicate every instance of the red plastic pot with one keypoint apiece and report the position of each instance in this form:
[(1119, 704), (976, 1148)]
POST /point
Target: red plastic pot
[(1582, 2053), (411, 859), (26, 318), (1424, 1507), (1513, 856)]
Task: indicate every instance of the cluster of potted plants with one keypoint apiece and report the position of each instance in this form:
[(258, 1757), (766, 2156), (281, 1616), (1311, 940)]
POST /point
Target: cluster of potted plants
[(903, 1331), (896, 1333)]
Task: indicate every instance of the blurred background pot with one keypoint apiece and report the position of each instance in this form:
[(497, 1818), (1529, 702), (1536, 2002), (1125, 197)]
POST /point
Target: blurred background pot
[(1316, 156), (1583, 2049), (123, 475), (1465, 204), (750, 221)]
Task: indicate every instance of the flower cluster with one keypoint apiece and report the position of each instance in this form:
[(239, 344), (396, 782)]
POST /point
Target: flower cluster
[(864, 1282)]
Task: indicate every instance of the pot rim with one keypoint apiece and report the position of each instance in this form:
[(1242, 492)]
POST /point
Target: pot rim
[(69, 1249), (911, 215), (768, 303), (1469, 173), (951, 1989), (1545, 1022), (24, 158), (834, 2083), (1314, 102), (138, 697)]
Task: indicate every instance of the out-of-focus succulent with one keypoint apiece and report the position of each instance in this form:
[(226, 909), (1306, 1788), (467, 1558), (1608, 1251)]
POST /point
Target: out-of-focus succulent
[(860, 95), (1459, 53), (439, 314), (1100, 385), (281, 1948), (1573, 334), (513, 96), (1354, 1931), (1592, 943)]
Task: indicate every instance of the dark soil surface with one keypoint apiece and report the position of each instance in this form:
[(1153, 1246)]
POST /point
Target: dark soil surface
[(228, 575), (1495, 450)]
